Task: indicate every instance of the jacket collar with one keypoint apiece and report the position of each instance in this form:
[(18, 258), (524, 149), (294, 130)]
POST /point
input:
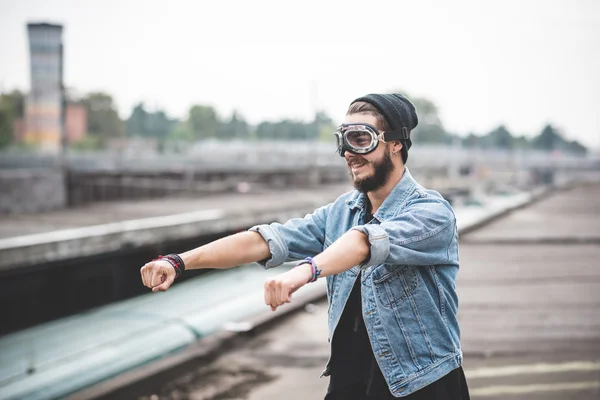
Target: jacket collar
[(390, 205)]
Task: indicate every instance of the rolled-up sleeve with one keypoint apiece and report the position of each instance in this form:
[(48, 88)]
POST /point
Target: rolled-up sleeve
[(298, 238), (420, 235), (277, 245)]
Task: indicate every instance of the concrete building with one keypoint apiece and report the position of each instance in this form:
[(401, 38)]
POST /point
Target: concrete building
[(44, 104), (75, 125)]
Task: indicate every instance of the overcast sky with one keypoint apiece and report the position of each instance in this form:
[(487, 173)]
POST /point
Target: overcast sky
[(522, 63)]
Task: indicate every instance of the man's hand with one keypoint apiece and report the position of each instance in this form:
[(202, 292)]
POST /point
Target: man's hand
[(158, 275), (279, 289)]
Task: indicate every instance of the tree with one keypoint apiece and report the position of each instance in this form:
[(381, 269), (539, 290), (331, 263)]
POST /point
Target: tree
[(103, 120), (549, 139), (521, 142), (12, 107), (286, 130), (500, 138), (181, 133), (265, 130), (322, 123), (159, 125), (325, 127), (430, 128), (179, 137), (154, 125), (235, 128), (6, 124), (16, 100), (576, 148), (203, 122), (136, 123), (471, 141)]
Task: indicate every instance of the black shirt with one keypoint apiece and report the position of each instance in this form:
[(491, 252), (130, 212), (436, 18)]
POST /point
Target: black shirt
[(353, 362)]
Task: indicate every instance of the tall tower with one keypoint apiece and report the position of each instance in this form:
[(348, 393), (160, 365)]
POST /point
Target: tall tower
[(44, 106)]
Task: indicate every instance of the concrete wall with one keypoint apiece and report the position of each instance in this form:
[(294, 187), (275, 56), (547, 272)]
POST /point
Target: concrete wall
[(31, 190)]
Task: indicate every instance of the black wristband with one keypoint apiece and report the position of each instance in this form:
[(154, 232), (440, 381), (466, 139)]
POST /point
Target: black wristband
[(179, 261), (175, 261)]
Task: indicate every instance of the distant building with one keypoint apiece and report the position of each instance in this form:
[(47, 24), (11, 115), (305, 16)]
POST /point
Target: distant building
[(44, 104), (75, 122)]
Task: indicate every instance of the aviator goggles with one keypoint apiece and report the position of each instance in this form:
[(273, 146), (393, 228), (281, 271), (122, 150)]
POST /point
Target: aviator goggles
[(364, 138)]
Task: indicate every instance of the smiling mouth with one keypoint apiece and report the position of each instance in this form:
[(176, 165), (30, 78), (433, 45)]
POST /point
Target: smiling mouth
[(357, 165)]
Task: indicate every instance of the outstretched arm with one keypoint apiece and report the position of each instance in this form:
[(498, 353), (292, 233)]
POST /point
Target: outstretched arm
[(227, 252), (272, 244), (349, 250)]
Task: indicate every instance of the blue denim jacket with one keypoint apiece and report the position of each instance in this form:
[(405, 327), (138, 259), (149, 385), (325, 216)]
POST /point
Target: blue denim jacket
[(409, 299)]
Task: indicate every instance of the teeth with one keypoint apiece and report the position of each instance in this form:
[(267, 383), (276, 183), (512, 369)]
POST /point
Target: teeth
[(356, 164)]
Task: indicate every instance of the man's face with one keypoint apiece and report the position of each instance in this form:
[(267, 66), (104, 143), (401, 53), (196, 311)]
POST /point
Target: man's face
[(370, 171)]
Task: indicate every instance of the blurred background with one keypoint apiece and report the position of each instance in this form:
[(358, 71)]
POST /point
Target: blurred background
[(130, 129)]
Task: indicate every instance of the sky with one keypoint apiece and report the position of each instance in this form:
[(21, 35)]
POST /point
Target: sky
[(519, 63)]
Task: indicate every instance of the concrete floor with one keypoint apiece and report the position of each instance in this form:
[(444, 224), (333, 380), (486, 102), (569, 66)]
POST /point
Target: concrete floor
[(529, 290)]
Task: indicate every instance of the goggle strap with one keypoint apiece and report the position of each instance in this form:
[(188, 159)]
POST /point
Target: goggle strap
[(398, 134)]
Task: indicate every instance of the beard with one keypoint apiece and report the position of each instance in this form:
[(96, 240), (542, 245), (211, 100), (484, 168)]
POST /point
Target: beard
[(382, 171)]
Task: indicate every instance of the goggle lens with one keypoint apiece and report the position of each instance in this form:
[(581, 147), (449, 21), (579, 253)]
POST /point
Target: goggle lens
[(360, 139)]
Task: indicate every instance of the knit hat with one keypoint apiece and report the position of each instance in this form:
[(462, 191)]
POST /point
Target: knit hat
[(399, 113)]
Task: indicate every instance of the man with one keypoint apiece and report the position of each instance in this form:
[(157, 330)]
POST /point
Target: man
[(389, 251)]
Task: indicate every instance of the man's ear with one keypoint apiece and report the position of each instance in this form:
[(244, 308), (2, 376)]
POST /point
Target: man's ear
[(396, 147)]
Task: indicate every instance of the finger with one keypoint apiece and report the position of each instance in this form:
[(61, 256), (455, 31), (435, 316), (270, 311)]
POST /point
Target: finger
[(149, 270), (267, 292), (163, 286), (278, 293), (156, 278), (283, 294), (146, 274), (142, 275), (271, 296)]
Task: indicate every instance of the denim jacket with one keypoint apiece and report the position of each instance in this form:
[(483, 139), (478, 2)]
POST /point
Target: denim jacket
[(409, 299)]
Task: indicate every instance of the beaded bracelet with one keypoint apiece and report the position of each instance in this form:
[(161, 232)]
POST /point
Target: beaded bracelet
[(316, 272), (175, 261)]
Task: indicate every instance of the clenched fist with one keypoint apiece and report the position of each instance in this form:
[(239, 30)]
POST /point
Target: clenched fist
[(158, 275), (279, 289)]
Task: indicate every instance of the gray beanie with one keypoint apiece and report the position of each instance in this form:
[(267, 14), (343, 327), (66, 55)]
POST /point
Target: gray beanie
[(399, 113)]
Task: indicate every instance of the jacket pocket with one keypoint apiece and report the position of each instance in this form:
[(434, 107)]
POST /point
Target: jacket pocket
[(394, 283)]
